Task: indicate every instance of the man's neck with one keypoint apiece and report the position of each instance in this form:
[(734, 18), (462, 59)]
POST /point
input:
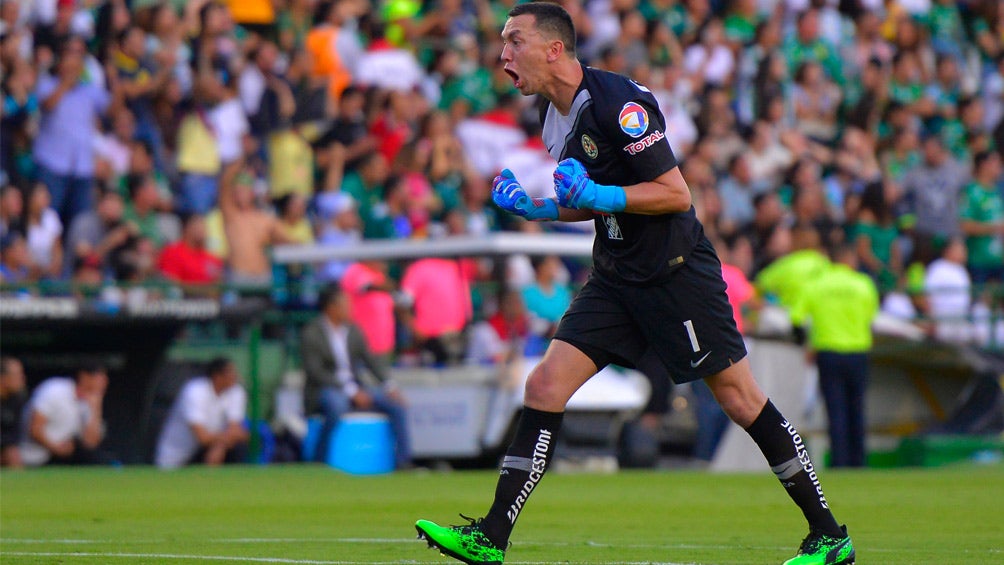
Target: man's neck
[(334, 324), (567, 78)]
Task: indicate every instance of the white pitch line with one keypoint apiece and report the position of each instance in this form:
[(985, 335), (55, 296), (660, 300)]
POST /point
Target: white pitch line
[(313, 540), (290, 561), (189, 557)]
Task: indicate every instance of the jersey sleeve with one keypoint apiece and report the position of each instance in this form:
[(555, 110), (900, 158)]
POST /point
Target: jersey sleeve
[(637, 130), (195, 405), (236, 404)]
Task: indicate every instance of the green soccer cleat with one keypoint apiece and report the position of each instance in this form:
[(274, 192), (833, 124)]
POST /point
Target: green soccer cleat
[(820, 549), (465, 543)]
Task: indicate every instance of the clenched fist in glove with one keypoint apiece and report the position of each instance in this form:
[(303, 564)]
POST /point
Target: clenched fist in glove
[(576, 190), (509, 195)]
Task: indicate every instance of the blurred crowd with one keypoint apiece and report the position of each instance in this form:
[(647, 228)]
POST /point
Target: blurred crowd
[(148, 140)]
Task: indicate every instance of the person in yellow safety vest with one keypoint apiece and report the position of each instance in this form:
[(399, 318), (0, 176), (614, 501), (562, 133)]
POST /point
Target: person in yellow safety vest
[(839, 306), (786, 276)]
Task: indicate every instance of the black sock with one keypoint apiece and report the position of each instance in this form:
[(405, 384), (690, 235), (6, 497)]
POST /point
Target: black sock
[(526, 460), (789, 459)]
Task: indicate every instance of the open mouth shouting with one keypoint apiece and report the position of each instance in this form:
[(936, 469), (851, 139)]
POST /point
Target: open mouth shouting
[(517, 82)]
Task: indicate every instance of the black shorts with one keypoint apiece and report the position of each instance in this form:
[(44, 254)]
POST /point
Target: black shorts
[(683, 326)]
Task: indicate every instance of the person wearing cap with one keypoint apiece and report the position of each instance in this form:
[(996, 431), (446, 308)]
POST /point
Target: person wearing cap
[(63, 420), (341, 227), (839, 305)]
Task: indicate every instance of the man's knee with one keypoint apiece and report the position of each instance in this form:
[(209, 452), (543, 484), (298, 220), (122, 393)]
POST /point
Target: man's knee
[(542, 386)]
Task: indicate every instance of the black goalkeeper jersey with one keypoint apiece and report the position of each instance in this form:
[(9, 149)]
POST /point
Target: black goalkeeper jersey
[(615, 129)]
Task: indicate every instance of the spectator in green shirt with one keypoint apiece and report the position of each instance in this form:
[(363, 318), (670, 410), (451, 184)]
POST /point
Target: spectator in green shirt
[(366, 183), (944, 23), (905, 84), (141, 209), (839, 306), (807, 45), (876, 236), (982, 219), (741, 22)]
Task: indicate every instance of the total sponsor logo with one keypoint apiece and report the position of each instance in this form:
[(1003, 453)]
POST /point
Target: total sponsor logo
[(643, 144)]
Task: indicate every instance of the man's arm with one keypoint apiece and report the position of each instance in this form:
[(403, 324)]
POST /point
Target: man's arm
[(573, 215), (50, 97), (36, 430), (205, 437), (666, 194), (227, 201), (358, 348), (312, 356), (971, 227), (93, 429)]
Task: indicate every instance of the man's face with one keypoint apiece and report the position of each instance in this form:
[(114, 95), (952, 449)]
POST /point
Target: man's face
[(340, 309), (228, 377), (92, 384), (11, 203), (195, 232), (110, 208), (992, 166), (934, 153), (134, 43), (12, 377), (524, 53)]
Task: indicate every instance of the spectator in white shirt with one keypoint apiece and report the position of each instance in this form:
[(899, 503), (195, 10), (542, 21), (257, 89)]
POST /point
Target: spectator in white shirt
[(63, 420), (44, 233), (206, 422), (948, 286)]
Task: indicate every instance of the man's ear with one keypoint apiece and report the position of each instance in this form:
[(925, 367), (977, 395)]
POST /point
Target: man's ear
[(555, 50)]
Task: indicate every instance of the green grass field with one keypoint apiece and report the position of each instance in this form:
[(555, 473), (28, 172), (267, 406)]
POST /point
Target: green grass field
[(314, 515)]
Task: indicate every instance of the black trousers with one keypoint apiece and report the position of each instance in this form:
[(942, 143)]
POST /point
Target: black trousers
[(843, 380)]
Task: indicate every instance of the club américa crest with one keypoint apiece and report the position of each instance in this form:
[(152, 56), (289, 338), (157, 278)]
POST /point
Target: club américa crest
[(589, 146)]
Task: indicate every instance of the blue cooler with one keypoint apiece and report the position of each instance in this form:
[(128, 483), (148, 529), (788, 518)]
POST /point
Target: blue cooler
[(313, 438), (363, 444)]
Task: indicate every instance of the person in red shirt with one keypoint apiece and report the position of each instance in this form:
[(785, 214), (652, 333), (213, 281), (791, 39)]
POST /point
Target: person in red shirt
[(187, 260)]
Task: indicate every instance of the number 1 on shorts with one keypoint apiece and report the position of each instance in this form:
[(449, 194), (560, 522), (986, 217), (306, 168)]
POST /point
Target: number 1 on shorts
[(689, 324)]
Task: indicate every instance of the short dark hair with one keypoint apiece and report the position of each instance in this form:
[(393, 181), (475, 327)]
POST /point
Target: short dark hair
[(90, 367), (217, 365), (328, 295), (6, 364), (982, 157), (551, 19)]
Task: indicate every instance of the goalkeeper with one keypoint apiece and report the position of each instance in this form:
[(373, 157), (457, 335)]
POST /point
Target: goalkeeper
[(656, 288)]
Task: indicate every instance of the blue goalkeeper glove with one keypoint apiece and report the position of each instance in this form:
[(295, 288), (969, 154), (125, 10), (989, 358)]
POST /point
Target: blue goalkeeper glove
[(576, 190), (509, 195)]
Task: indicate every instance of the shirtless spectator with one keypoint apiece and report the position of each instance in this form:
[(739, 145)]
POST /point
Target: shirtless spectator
[(249, 230)]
